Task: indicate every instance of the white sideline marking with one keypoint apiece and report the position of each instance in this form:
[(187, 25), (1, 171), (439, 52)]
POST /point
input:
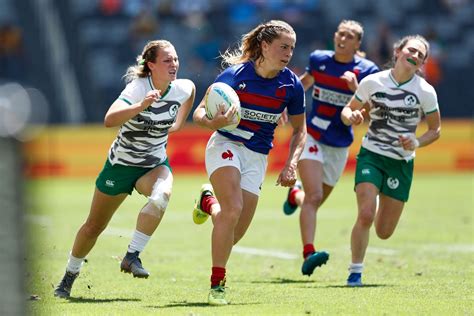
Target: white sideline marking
[(42, 220), (265, 252), (239, 249), (449, 248), (382, 251), (45, 220)]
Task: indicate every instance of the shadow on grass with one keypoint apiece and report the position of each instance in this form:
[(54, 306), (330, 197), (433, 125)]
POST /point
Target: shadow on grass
[(196, 304), (284, 281), (358, 287), (101, 300)]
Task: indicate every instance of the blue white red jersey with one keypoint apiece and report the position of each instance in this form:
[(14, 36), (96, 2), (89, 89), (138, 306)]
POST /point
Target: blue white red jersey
[(330, 94), (262, 101)]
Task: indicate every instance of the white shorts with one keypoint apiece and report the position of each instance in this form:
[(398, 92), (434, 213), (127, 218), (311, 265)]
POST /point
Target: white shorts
[(334, 159), (223, 152)]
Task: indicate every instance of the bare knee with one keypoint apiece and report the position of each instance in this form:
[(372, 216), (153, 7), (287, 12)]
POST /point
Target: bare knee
[(231, 213), (160, 194), (383, 233), (313, 198), (366, 216), (91, 229)]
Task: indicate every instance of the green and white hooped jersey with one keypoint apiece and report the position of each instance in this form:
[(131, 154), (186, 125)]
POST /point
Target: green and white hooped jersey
[(141, 141), (395, 109)]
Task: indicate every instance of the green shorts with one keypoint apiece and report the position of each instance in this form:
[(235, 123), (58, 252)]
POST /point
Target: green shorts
[(117, 179), (392, 177)]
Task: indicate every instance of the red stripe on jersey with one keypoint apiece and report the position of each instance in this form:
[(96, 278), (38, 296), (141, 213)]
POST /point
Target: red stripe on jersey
[(259, 100), (250, 125), (327, 110), (327, 80), (316, 135)]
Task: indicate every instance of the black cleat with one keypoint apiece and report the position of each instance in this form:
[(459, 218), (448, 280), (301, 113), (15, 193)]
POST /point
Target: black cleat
[(132, 264), (63, 290)]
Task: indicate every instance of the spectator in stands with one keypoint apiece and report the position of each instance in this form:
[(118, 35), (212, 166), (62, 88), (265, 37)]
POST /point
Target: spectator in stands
[(143, 27), (153, 104), (110, 7), (398, 98), (432, 67), (333, 77), (380, 49), (11, 52), (236, 160)]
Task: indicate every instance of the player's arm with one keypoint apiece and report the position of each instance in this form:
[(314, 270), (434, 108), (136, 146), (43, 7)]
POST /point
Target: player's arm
[(307, 80), (353, 112), (120, 111), (410, 142), (183, 112), (221, 119), (434, 129), (287, 177)]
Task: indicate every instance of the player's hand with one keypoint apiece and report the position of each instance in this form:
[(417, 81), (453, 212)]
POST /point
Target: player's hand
[(224, 118), (230, 114), (351, 80), (287, 177), (357, 117), (151, 96), (409, 142)]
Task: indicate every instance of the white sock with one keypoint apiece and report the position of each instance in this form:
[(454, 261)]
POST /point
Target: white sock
[(139, 241), (74, 264), (356, 267)]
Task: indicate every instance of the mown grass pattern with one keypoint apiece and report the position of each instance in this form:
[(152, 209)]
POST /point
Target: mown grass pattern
[(426, 268)]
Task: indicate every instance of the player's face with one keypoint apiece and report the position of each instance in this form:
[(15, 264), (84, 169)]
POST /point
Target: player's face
[(346, 41), (279, 52), (166, 64), (411, 56)]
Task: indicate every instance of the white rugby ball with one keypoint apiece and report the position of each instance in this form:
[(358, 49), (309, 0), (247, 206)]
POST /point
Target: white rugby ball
[(220, 93)]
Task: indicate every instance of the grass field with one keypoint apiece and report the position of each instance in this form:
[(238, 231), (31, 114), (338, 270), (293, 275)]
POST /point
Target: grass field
[(426, 268)]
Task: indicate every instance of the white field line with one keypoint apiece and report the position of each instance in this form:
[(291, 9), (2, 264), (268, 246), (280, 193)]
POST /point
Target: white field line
[(45, 220), (382, 251), (449, 248), (41, 220), (265, 253)]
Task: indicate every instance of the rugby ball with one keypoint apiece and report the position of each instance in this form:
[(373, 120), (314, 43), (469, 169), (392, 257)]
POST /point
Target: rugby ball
[(220, 93)]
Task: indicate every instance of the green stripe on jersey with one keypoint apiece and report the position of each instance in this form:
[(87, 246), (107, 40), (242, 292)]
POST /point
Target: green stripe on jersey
[(435, 110), (126, 101)]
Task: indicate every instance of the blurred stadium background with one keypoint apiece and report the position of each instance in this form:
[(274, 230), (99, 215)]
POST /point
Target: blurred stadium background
[(61, 63), (75, 51)]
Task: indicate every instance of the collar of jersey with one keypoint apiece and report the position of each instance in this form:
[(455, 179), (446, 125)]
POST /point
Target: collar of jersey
[(395, 81), (152, 87)]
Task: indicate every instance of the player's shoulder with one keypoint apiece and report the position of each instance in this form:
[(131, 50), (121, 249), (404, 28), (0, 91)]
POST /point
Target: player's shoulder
[(137, 86), (185, 85), (377, 78), (424, 85), (238, 68), (289, 76), (365, 63), (322, 55)]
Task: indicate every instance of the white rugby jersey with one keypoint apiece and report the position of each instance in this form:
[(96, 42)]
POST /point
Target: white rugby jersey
[(395, 109), (141, 141)]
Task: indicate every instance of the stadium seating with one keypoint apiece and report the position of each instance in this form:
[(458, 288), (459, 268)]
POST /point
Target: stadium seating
[(108, 39)]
